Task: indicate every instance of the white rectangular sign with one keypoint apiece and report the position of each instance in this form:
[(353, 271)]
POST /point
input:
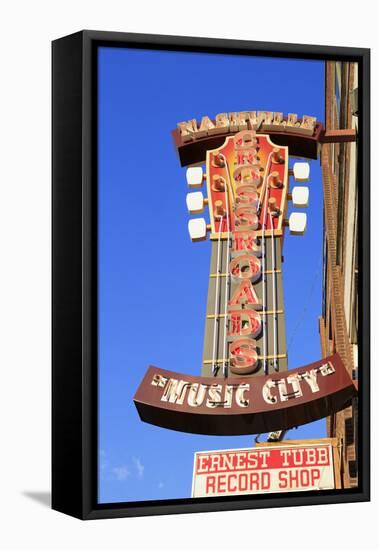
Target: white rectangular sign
[(266, 469)]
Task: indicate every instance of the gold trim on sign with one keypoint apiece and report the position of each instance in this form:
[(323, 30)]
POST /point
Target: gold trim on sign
[(279, 356), (270, 312), (258, 233), (267, 272)]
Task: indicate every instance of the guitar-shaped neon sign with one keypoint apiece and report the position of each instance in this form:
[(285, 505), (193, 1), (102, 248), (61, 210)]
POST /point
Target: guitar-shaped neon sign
[(243, 387), (247, 195)]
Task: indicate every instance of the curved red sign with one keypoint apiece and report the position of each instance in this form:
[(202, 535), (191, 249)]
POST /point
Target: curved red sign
[(244, 405)]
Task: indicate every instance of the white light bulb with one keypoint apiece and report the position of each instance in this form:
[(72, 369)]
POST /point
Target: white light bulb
[(301, 171), (297, 223), (195, 202), (194, 176), (300, 197), (197, 229)]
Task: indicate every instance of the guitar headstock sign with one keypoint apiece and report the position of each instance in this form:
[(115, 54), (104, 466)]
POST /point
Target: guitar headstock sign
[(247, 183), (244, 387)]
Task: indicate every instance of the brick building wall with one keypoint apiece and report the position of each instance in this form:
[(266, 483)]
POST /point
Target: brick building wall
[(338, 324)]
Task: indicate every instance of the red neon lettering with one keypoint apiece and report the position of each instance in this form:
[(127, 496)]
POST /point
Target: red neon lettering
[(246, 195), (245, 267), (246, 218), (243, 356), (245, 322), (244, 294), (246, 157), (246, 138), (245, 241)]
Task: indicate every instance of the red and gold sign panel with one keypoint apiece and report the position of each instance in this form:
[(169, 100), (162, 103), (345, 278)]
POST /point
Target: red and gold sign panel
[(246, 387), (247, 188), (246, 405), (247, 184), (194, 138)]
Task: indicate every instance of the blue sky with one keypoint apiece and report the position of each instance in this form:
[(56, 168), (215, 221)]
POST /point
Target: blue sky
[(152, 279)]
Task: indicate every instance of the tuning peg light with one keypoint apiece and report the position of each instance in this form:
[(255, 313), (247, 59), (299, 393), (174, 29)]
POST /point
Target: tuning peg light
[(300, 197), (297, 223), (195, 202), (301, 171), (219, 209), (275, 180), (276, 155), (197, 229), (273, 206), (195, 177)]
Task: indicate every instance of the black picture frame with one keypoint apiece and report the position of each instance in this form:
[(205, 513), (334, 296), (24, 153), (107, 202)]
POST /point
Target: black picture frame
[(74, 274)]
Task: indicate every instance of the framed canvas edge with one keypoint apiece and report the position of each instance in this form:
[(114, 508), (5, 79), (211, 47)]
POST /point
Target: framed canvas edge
[(78, 497), (67, 364)]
